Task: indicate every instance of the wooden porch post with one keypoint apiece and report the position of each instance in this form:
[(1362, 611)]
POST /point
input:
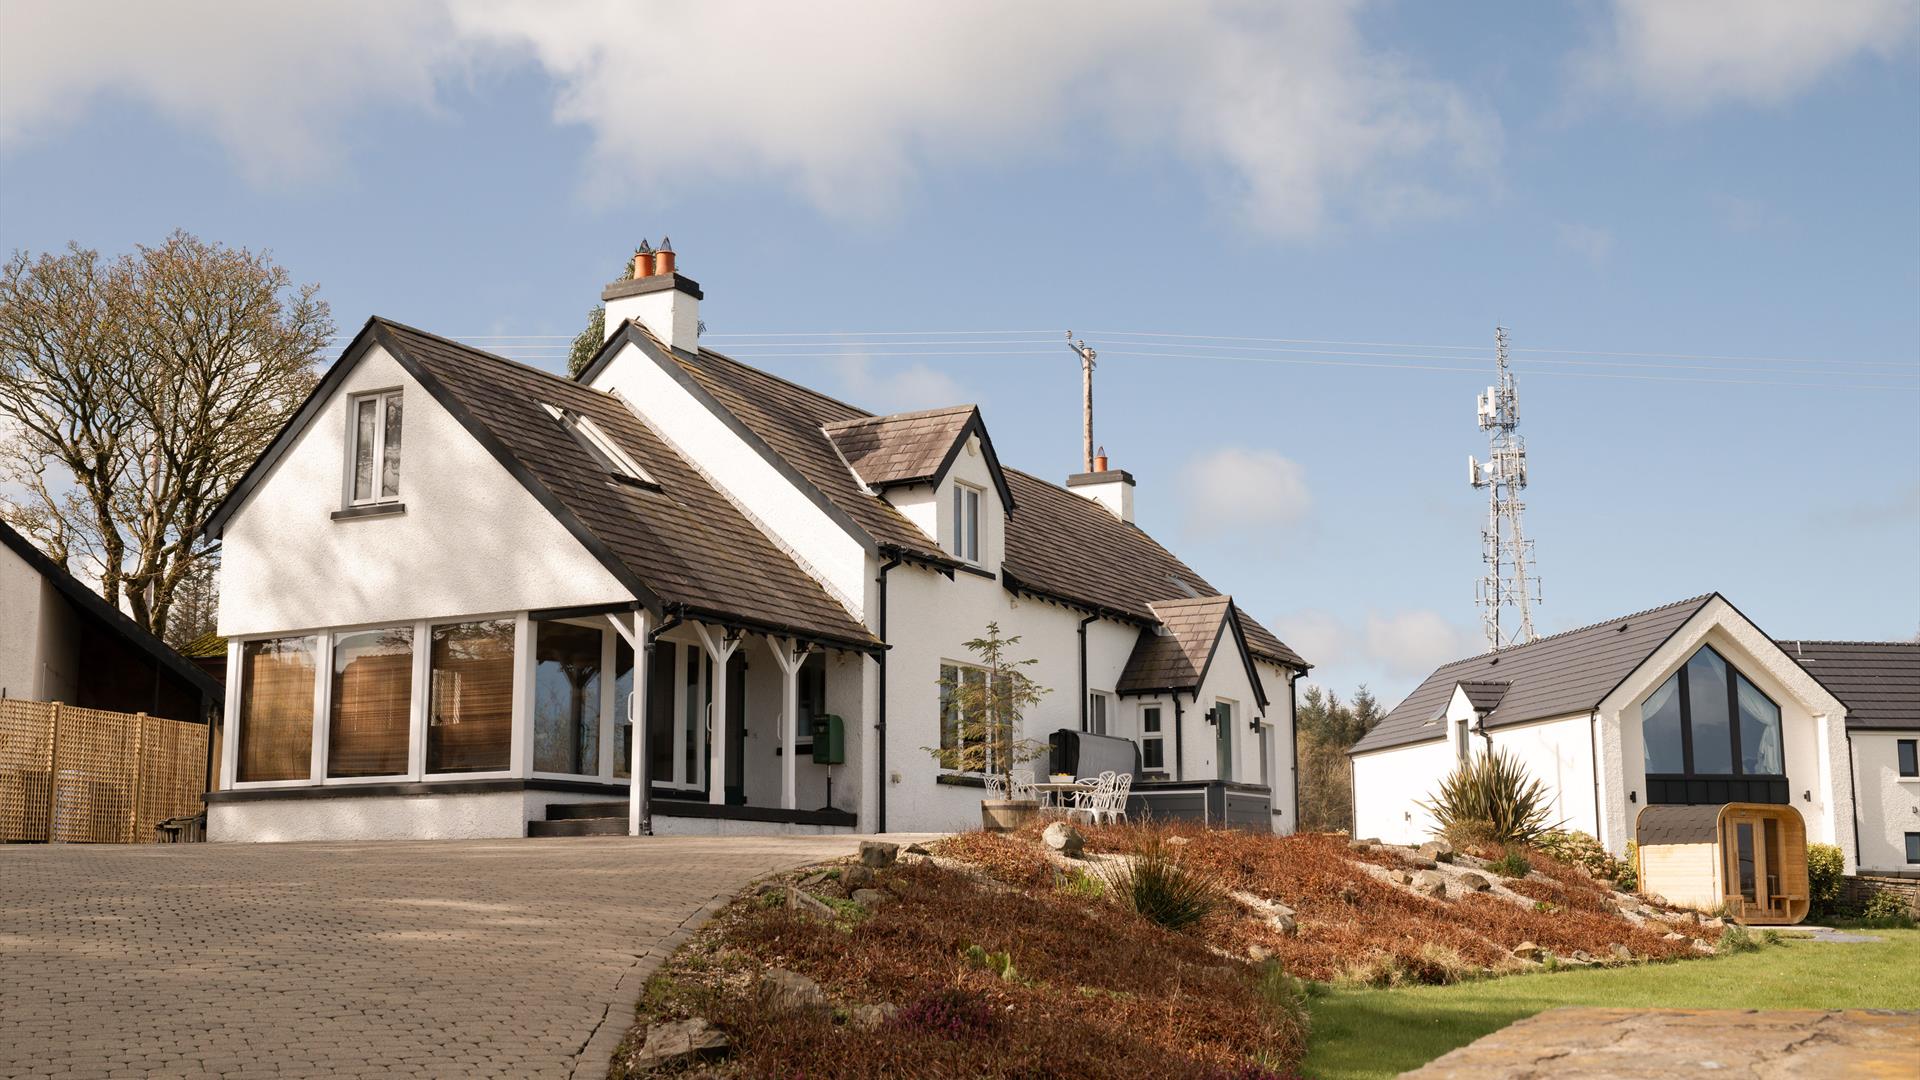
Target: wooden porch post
[(721, 651), (790, 656), (639, 783)]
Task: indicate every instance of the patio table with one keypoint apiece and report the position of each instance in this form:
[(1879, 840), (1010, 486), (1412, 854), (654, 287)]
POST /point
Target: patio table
[(1052, 790)]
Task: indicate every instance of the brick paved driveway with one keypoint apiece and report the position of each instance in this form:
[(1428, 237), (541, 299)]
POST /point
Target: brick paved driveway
[(456, 958)]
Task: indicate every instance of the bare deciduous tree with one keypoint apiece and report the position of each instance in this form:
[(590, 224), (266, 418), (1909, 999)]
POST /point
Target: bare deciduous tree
[(135, 392)]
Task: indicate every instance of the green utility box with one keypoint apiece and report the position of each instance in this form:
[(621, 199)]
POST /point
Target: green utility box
[(829, 740)]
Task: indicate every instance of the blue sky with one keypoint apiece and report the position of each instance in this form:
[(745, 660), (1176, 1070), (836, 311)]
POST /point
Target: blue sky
[(1691, 179)]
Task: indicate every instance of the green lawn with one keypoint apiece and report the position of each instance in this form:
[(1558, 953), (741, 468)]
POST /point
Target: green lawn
[(1381, 1033)]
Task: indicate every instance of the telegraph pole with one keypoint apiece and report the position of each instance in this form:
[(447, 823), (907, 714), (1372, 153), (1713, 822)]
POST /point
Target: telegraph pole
[(1079, 348), (1505, 549)]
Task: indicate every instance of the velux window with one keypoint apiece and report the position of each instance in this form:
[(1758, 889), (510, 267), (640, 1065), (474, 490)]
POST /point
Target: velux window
[(966, 522), (375, 448), (604, 451)]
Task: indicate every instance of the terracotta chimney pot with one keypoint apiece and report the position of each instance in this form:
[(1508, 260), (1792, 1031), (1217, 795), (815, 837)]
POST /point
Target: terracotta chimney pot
[(642, 264), (1100, 460), (663, 258)]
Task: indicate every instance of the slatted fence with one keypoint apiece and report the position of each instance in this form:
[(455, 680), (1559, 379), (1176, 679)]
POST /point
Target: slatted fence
[(90, 776)]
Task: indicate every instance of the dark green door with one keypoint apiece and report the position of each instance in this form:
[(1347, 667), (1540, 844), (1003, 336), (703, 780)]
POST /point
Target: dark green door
[(1223, 732)]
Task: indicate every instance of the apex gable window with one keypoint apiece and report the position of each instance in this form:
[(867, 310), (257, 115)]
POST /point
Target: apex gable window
[(602, 449), (1709, 721), (373, 450), (966, 522)]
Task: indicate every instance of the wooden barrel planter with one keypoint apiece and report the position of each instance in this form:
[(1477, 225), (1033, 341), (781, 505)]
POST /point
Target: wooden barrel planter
[(1749, 859)]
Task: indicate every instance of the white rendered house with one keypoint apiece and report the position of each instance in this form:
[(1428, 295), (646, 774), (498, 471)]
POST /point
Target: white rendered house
[(1686, 704), (465, 597)]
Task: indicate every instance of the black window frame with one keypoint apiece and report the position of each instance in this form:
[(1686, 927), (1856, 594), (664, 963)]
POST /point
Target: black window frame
[(1913, 848), (1692, 788), (1906, 755)]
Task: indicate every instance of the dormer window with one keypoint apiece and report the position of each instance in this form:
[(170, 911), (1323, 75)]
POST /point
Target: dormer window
[(966, 522), (374, 448), (603, 450)]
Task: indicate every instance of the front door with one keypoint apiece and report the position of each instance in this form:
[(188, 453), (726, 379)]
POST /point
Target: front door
[(1223, 732)]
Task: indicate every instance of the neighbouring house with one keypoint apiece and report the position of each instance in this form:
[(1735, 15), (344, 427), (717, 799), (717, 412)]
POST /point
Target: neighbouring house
[(1689, 704), (61, 641), (465, 597)]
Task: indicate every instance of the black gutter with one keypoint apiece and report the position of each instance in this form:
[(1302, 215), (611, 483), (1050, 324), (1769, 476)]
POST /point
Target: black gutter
[(880, 721), (1179, 752), (1083, 670), (1293, 718), (1853, 786), (645, 779)]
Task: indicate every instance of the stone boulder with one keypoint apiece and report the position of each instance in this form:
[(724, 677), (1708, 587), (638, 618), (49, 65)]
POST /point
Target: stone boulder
[(918, 849), (784, 991), (675, 1043), (878, 854), (807, 904), (1527, 950), (1399, 877), (1064, 838), (1673, 936), (872, 899), (857, 876), (1437, 850), (1430, 883), (1620, 952), (868, 1017), (1475, 882)]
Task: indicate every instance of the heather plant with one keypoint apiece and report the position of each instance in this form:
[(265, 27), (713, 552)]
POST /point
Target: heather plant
[(1489, 799), (1513, 864), (952, 1013), (1158, 885), (1584, 851)]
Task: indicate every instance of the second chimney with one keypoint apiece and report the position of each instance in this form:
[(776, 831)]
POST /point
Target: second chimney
[(1111, 488), (658, 298)]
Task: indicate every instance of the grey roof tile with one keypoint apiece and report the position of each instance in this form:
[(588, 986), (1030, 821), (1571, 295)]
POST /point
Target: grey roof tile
[(1878, 681), (1555, 676), (1175, 657), (902, 448)]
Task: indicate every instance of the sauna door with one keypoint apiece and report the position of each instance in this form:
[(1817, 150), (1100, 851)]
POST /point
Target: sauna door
[(1750, 844)]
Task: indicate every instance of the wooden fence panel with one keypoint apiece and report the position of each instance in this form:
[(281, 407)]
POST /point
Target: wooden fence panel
[(92, 776)]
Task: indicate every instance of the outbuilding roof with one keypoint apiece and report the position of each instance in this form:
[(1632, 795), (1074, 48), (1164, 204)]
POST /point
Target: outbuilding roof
[(1878, 681), (1659, 825), (1566, 673)]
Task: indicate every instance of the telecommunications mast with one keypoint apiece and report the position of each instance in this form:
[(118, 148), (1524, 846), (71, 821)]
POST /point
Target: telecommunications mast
[(1505, 550)]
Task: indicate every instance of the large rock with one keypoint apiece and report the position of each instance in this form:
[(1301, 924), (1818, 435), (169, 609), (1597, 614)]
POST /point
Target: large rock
[(1399, 877), (857, 876), (1620, 952), (868, 1017), (1437, 850), (1430, 883), (871, 899), (679, 1042), (1064, 838), (1673, 936), (1475, 882), (807, 904), (878, 854), (1283, 922), (1527, 950), (918, 849), (783, 991)]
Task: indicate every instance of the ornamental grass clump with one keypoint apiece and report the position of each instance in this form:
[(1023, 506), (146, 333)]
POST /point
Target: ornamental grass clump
[(1158, 885), (1489, 799)]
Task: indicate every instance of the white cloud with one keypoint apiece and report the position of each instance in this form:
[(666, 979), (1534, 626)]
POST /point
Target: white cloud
[(1322, 637), (905, 389), (1294, 117), (1590, 242), (1690, 55), (1413, 643), (1237, 486)]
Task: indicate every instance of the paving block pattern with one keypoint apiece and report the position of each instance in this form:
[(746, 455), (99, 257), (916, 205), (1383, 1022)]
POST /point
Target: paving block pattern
[(508, 958)]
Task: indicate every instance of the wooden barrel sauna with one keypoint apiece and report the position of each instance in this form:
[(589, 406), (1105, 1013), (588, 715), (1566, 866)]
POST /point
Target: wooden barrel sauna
[(1749, 859)]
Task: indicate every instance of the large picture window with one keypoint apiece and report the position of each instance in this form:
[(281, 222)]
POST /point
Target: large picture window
[(277, 681), (375, 448), (1708, 720), (368, 731), (566, 699), (470, 707), (964, 744)]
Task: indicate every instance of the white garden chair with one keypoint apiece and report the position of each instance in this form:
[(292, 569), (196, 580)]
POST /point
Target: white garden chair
[(1116, 807), (1093, 801), (996, 786)]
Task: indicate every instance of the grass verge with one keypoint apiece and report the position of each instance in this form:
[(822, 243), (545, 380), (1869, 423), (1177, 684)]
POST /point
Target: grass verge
[(1363, 1034)]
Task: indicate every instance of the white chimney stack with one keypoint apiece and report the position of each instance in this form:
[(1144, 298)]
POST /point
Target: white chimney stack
[(1111, 488), (658, 298)]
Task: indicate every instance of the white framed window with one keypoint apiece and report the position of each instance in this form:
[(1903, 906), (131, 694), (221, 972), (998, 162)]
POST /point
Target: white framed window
[(604, 451), (963, 738), (1462, 740), (373, 448), (1099, 711), (1153, 739), (966, 522)]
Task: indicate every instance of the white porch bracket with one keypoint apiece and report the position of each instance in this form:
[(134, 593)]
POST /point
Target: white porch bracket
[(790, 655), (721, 651), (638, 782)]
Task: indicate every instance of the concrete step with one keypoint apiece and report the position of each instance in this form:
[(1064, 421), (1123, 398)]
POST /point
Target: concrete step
[(579, 827), (568, 811)]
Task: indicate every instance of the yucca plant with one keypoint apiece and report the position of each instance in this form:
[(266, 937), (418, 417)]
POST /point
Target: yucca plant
[(1157, 884), (1489, 799)]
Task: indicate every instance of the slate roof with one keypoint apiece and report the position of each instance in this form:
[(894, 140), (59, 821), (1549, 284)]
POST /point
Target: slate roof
[(1678, 824), (1878, 681), (903, 448), (684, 541), (1176, 657), (1059, 545), (1485, 696), (1566, 673)]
